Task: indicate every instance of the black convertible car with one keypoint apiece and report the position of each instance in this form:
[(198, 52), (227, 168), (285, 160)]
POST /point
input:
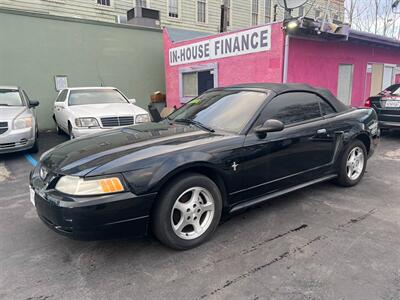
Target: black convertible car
[(224, 151)]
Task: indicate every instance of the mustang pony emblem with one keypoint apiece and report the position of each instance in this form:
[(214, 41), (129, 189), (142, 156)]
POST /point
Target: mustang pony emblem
[(234, 166)]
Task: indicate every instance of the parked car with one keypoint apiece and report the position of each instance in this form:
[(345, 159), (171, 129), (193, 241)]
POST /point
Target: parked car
[(387, 106), (18, 124), (224, 151), (86, 110)]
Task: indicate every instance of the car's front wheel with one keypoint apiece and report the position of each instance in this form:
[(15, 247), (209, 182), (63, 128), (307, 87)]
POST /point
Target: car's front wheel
[(187, 212), (353, 164)]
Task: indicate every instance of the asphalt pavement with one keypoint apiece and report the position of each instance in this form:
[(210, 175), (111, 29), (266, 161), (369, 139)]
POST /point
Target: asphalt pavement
[(322, 242)]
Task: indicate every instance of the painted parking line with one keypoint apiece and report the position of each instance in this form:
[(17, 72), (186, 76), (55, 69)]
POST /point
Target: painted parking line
[(31, 160)]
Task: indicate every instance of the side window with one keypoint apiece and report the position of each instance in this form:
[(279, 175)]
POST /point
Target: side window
[(291, 108), (61, 96), (326, 108)]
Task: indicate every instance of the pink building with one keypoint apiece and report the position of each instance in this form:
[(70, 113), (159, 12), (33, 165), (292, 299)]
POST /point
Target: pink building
[(353, 68)]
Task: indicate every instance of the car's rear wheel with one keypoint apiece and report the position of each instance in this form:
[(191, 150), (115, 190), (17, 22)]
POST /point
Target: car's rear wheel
[(187, 212), (353, 164)]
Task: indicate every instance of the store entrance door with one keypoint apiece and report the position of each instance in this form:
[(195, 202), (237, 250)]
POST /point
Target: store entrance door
[(205, 81)]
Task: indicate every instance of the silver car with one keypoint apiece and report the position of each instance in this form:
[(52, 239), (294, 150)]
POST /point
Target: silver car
[(18, 124)]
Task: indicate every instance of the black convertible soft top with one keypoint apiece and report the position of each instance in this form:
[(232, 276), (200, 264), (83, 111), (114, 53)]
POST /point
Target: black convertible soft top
[(279, 88)]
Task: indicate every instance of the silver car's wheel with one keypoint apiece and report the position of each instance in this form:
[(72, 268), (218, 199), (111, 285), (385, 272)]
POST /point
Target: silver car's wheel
[(355, 163), (192, 213)]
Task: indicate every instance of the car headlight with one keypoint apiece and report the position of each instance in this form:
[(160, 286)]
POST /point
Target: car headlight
[(21, 123), (78, 186), (86, 122), (142, 118)]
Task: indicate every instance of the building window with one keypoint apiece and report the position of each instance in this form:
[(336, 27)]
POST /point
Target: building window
[(254, 12), (227, 4), (301, 11), (317, 13), (194, 82), (268, 8), (104, 2), (173, 8), (201, 11), (189, 85), (141, 3)]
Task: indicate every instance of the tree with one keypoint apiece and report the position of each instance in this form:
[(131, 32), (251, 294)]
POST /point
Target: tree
[(376, 16)]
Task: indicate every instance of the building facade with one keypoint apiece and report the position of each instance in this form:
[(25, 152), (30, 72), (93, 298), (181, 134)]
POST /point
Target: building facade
[(200, 15), (352, 68)]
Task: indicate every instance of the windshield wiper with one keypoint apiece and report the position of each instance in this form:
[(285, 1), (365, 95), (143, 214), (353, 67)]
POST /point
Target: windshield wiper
[(196, 123), (4, 104)]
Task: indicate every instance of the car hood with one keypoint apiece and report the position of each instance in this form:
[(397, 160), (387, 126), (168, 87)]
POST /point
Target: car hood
[(106, 109), (8, 113), (148, 140)]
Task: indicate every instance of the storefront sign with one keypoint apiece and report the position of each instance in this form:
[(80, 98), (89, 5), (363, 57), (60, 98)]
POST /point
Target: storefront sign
[(239, 43)]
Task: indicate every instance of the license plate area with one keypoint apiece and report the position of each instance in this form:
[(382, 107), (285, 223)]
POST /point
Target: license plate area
[(392, 104)]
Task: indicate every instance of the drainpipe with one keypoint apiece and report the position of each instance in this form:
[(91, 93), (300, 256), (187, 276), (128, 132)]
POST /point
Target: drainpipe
[(286, 59)]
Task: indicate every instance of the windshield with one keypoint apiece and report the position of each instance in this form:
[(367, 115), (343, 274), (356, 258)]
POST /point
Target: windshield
[(392, 90), (10, 98), (226, 110), (95, 96)]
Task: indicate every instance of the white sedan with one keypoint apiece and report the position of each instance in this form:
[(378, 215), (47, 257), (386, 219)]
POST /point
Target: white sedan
[(82, 111)]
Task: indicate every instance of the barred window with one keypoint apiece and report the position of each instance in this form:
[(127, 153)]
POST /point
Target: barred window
[(268, 7), (173, 8), (254, 12), (201, 11), (104, 2)]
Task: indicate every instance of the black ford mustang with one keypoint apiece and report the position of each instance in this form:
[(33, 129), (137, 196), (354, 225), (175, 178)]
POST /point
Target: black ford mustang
[(228, 149)]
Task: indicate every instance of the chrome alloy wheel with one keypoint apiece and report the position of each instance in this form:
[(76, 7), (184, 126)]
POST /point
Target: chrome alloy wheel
[(192, 213), (355, 163)]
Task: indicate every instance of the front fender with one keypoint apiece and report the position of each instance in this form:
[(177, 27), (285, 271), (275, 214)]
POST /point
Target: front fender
[(151, 179)]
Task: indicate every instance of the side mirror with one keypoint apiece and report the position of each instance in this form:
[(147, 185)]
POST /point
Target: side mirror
[(33, 103), (271, 125), (132, 101)]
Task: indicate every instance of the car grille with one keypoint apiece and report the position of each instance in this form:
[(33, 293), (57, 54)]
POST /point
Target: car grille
[(117, 121), (3, 127), (15, 144)]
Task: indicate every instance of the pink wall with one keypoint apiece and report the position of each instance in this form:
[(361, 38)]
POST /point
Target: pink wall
[(317, 63), (257, 67)]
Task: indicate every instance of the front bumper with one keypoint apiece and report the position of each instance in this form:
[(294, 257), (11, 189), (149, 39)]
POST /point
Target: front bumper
[(95, 217), (389, 125), (17, 140), (79, 132)]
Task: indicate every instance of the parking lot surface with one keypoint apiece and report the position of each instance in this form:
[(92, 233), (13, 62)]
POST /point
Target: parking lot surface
[(323, 242)]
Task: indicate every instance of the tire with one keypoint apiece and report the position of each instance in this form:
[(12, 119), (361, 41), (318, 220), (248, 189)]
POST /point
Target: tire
[(59, 130), (351, 173), (70, 133), (35, 147), (178, 203)]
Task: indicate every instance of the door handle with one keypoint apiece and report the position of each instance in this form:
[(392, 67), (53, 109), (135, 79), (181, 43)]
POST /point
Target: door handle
[(321, 131)]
